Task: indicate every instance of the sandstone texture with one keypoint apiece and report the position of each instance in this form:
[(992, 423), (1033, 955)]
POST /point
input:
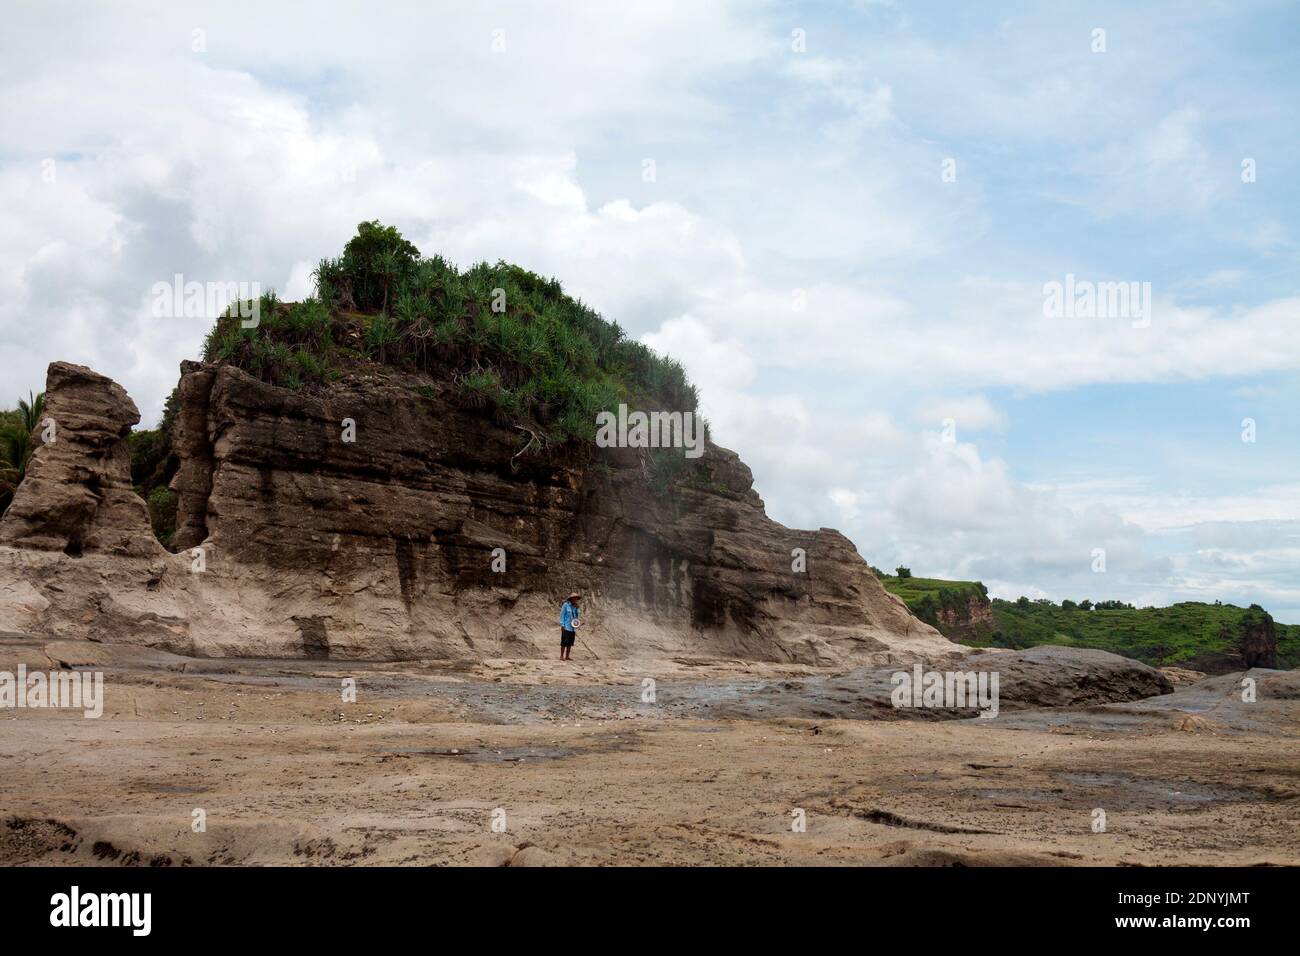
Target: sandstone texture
[(77, 496), (377, 519)]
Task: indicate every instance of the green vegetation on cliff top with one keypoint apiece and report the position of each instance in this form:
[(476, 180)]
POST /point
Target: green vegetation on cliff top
[(926, 597), (496, 338), (504, 339)]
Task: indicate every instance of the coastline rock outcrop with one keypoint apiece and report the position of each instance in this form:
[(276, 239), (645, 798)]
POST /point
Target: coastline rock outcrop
[(377, 518)]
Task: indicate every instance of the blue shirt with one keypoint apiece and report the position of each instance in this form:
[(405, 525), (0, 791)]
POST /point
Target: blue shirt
[(568, 614)]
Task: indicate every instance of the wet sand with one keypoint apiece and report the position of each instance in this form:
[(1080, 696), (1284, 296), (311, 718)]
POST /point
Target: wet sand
[(535, 762)]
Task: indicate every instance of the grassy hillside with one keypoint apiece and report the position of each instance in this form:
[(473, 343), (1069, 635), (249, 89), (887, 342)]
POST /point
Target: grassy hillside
[(1174, 635), (914, 591), (959, 609), (1160, 636)]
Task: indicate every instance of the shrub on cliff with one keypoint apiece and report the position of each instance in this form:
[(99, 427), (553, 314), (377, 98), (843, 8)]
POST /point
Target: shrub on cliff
[(149, 450), (374, 261), (16, 427), (162, 504), (15, 447), (153, 464), (502, 338)]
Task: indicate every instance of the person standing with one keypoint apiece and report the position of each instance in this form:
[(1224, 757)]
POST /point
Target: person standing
[(569, 624)]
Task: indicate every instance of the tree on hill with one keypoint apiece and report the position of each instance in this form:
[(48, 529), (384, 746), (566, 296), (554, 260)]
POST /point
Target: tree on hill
[(373, 261), (903, 572)]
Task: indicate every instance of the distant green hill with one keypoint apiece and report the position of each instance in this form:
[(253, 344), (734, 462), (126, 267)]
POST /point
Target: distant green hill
[(959, 609), (1191, 634)]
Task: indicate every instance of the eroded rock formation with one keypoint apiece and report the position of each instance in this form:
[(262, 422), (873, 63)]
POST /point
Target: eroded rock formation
[(364, 521), (77, 496)]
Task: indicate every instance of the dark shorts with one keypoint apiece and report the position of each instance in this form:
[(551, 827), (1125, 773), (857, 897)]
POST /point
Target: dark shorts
[(566, 637)]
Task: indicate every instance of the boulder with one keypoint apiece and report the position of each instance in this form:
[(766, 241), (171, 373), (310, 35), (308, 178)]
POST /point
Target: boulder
[(1044, 676)]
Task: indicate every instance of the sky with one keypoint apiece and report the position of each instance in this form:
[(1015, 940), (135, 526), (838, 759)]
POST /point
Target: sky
[(842, 217)]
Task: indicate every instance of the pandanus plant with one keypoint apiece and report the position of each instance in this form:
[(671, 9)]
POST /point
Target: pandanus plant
[(16, 446), (31, 410)]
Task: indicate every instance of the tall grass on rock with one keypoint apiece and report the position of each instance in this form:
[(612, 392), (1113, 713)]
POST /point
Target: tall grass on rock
[(497, 338)]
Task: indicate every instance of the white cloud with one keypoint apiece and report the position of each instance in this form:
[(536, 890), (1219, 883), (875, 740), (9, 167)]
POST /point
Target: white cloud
[(1167, 168), (779, 173), (1163, 511), (864, 102), (263, 199), (974, 412)]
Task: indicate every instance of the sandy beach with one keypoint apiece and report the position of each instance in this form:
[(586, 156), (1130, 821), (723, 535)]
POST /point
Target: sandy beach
[(532, 762)]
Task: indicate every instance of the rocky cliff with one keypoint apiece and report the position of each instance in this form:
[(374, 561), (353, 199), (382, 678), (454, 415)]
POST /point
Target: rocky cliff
[(968, 620), (1252, 643), (376, 518)]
